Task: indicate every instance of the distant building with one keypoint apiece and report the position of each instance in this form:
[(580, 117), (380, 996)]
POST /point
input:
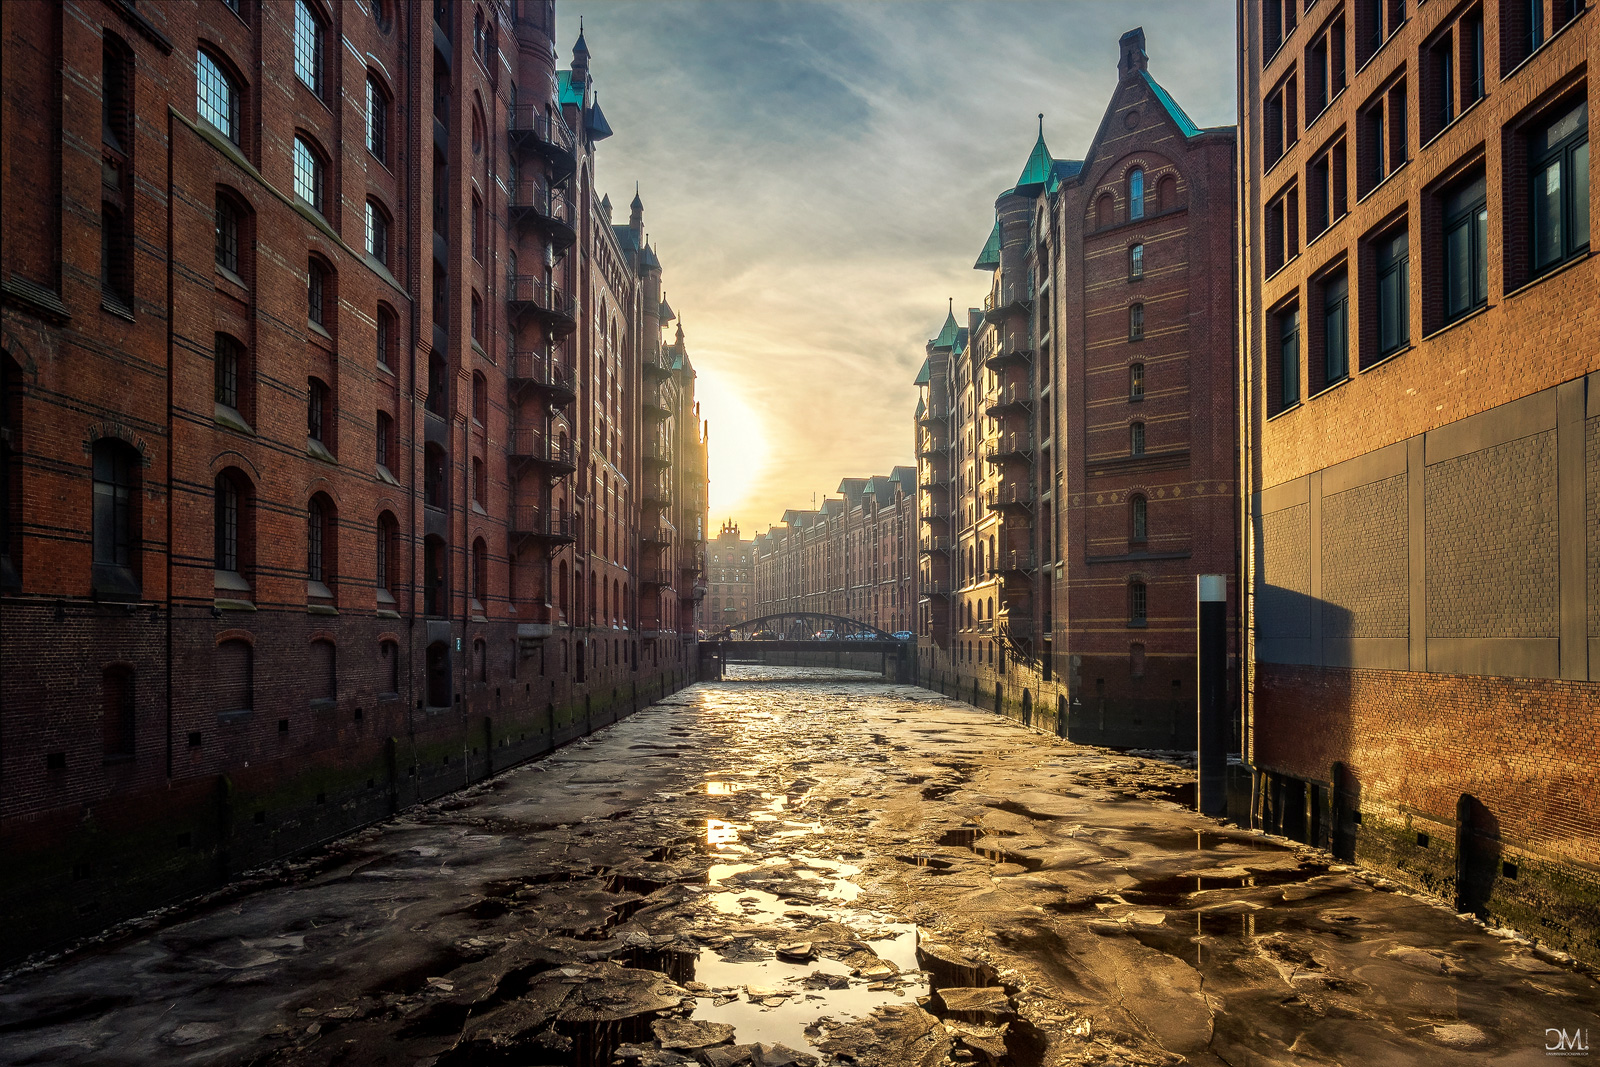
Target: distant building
[(730, 578), (1076, 433), (1421, 446), (854, 557), (443, 507)]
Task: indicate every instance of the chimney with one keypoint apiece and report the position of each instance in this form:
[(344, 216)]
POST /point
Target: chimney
[(1133, 58)]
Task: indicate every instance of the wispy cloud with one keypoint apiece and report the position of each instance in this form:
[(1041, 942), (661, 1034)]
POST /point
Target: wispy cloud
[(819, 178)]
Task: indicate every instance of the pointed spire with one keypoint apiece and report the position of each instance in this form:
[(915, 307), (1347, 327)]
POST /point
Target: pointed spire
[(638, 205), (950, 331), (1037, 170), (580, 48)]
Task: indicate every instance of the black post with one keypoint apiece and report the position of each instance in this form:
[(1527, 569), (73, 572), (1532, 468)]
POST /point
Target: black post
[(1211, 628)]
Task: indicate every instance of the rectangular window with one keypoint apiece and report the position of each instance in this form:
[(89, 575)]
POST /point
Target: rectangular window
[(1288, 362), (316, 409), (307, 174), (385, 336), (1472, 66), (1336, 328), (385, 430), (1559, 183), (226, 371), (377, 122), (1136, 322), (316, 286), (1136, 261), (1466, 243), (1394, 294), (227, 235)]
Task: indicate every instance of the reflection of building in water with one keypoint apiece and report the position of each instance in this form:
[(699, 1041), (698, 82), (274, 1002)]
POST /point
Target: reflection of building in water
[(730, 578)]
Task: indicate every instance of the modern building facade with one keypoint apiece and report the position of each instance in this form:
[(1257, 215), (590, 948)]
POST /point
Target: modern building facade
[(854, 557), (418, 532), (1422, 445), (1076, 432)]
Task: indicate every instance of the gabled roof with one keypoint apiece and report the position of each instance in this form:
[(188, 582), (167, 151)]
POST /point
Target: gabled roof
[(1062, 171), (989, 258), (624, 235), (1179, 119)]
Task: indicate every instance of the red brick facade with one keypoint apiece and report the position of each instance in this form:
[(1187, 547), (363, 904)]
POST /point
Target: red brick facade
[(1420, 435), (1077, 434), (315, 501)]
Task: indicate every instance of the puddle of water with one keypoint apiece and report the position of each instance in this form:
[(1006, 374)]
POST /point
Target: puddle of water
[(722, 789), (1170, 892)]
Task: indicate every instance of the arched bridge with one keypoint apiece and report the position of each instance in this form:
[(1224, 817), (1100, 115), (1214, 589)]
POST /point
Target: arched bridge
[(795, 634)]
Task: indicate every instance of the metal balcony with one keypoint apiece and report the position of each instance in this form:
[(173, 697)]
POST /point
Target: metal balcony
[(936, 513), (931, 445), (657, 493), (549, 371), (657, 366), (1013, 399), (655, 401), (936, 413), (938, 587), (1017, 445), (1013, 563), (656, 576), (1007, 299), (537, 447), (935, 544), (529, 294), (1013, 495), (657, 454), (1006, 356), (555, 526), (1018, 631), (535, 203), (656, 536), (530, 126)]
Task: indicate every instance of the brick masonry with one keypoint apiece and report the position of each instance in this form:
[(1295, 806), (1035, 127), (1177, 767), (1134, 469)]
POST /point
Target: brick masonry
[(265, 711)]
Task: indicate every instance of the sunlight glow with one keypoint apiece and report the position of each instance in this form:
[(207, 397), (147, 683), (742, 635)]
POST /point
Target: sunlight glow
[(739, 449)]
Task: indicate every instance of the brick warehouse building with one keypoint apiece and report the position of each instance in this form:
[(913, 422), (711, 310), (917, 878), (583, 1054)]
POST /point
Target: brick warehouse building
[(854, 557), (730, 579), (443, 511), (1076, 434), (1422, 437)]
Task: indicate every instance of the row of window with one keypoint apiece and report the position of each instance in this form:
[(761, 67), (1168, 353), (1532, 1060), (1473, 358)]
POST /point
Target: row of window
[(1547, 197), (1136, 199)]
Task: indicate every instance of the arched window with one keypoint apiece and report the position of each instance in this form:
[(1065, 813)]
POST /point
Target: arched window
[(377, 119), (1136, 261), (231, 521), (228, 369), (616, 601), (387, 549), (118, 711), (477, 131), (309, 36), (1138, 605), (477, 318), (1136, 322), (321, 544), (384, 441), (318, 293), (480, 572), (319, 416), (388, 336), (323, 671), (217, 96), (1103, 212), (234, 671), (438, 666), (309, 173), (1166, 193), (1136, 439), (434, 484), (377, 232), (1136, 193), (438, 401), (434, 572), (1138, 523), (389, 662), (116, 468), (230, 224), (1136, 381)]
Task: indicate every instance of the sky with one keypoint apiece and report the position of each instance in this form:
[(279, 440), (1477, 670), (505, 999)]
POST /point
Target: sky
[(819, 177)]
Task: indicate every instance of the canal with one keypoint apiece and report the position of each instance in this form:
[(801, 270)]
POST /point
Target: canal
[(803, 865)]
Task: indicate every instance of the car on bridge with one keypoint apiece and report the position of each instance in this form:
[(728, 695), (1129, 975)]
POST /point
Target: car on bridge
[(763, 635), (825, 635), (904, 635)]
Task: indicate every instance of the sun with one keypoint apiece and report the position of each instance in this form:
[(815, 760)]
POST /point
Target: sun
[(739, 450)]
